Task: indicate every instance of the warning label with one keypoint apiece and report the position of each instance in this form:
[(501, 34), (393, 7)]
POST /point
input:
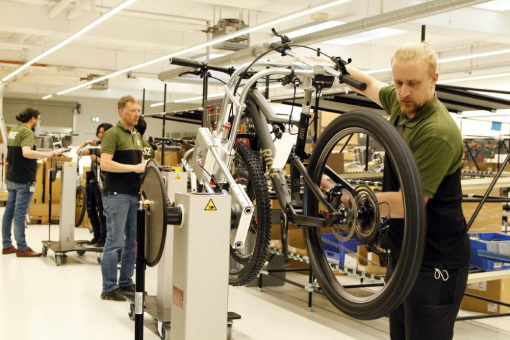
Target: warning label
[(178, 297), (177, 176), (210, 205)]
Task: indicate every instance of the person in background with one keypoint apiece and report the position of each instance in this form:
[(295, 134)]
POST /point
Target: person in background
[(122, 162), (148, 150), (94, 202), (151, 142), (430, 309), (20, 180)]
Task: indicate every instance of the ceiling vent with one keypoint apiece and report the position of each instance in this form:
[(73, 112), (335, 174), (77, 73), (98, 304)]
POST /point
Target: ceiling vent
[(229, 26), (100, 85)]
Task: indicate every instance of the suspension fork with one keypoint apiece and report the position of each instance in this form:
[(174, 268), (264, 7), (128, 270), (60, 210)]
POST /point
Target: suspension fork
[(295, 176)]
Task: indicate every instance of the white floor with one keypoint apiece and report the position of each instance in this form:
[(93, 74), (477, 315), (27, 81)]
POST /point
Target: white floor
[(39, 300)]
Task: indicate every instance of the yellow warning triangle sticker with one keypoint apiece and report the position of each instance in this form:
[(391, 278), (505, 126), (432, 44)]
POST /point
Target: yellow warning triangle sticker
[(177, 177), (210, 206)]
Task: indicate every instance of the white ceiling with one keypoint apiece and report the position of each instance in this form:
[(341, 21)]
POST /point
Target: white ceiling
[(149, 29)]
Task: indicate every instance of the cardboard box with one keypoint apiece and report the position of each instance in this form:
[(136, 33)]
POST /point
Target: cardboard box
[(498, 290), (336, 162), (39, 183), (38, 210), (171, 157)]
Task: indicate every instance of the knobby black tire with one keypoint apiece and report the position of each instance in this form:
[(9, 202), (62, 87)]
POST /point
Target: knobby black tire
[(260, 227), (80, 191), (394, 291)]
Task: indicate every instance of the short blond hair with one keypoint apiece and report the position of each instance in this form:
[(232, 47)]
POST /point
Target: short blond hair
[(412, 51), (121, 104)]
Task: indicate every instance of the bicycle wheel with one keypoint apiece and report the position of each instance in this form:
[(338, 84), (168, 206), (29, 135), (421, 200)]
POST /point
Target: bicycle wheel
[(361, 210), (246, 262), (81, 205)]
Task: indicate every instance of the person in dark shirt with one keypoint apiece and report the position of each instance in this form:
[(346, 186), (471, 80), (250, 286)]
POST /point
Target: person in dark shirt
[(430, 309), (22, 159), (122, 162), (94, 202)]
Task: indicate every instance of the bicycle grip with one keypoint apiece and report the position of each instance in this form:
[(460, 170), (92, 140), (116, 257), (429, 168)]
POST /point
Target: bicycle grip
[(185, 62), (356, 83)]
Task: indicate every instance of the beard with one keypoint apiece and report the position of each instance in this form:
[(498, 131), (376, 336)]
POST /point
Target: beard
[(409, 108)]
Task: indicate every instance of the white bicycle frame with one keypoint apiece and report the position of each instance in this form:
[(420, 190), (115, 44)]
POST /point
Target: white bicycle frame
[(213, 154)]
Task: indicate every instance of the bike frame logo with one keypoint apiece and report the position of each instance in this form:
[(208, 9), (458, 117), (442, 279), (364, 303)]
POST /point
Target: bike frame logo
[(268, 158)]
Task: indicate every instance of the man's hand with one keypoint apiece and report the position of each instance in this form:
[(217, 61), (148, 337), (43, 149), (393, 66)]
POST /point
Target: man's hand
[(94, 158), (54, 153), (139, 168), (91, 142)]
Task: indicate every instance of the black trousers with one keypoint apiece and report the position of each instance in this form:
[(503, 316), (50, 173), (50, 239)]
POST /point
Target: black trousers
[(95, 210), (430, 309)]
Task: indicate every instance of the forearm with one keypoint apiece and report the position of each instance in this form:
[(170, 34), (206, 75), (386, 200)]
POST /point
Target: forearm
[(32, 154), (391, 202), (112, 166)]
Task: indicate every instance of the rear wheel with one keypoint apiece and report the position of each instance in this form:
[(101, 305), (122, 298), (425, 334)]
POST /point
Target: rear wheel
[(361, 222), (246, 262), (81, 205)]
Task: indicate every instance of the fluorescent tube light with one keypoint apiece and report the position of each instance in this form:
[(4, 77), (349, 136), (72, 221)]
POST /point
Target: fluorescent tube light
[(47, 97), (314, 28), (216, 95), (489, 76), (87, 28), (211, 57), (212, 42), (448, 60), (497, 5), (365, 36)]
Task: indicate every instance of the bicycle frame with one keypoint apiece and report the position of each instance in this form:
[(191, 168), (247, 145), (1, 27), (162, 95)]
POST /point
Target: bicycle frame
[(222, 149)]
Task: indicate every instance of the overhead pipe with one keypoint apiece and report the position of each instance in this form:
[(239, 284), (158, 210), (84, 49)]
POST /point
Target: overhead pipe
[(59, 8), (367, 24)]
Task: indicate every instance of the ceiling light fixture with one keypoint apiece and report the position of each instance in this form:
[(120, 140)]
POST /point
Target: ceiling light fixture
[(47, 97), (211, 42), (216, 95), (496, 5), (489, 76), (448, 60), (314, 28), (365, 36), (85, 29)]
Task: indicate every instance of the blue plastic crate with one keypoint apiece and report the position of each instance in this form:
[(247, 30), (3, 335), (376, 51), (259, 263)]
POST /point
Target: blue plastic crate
[(336, 249), (482, 263)]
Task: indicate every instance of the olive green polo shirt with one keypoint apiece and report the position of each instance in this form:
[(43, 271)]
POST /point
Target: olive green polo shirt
[(126, 147), (432, 135), (21, 169)]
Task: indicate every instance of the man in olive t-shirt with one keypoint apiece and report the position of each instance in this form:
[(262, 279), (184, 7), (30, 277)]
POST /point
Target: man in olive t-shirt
[(122, 162), (430, 309), (22, 161)]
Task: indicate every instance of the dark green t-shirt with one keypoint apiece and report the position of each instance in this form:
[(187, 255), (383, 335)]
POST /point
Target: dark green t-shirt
[(432, 135), (21, 169), (436, 143), (126, 148)]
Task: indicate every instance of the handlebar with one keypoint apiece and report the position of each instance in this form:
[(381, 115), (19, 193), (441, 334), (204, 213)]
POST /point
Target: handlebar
[(202, 66)]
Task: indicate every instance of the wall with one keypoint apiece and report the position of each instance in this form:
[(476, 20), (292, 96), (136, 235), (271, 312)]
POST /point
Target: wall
[(104, 108)]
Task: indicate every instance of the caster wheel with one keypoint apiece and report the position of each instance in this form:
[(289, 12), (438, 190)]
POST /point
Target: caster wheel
[(44, 251), (59, 258), (165, 332), (131, 311), (99, 257), (80, 252)]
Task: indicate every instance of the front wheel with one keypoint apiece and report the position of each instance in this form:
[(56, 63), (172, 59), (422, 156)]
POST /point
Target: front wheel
[(246, 262), (364, 146)]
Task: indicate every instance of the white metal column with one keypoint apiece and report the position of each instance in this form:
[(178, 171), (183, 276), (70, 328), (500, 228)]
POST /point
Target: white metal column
[(175, 182), (201, 266), (67, 205)]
